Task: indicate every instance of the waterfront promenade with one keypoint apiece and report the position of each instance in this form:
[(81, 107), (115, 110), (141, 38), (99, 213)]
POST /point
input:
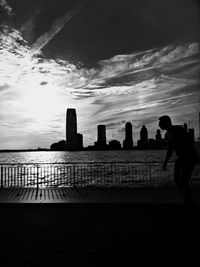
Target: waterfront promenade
[(98, 227), (80, 195), (95, 225), (99, 234), (92, 182)]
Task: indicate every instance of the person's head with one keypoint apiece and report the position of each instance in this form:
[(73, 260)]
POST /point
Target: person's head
[(165, 122)]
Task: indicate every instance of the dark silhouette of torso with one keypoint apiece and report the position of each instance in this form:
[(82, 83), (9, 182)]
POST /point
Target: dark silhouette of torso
[(179, 141)]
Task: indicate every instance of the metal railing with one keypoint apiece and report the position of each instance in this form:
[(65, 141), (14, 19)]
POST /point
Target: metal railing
[(137, 174)]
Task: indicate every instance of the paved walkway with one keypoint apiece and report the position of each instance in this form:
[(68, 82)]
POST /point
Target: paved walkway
[(95, 195)]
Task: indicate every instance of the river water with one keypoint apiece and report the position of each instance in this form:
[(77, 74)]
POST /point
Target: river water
[(83, 168), (82, 156)]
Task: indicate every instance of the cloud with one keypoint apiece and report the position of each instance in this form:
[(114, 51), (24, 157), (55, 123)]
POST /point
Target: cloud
[(6, 7), (35, 91), (19, 66), (4, 88), (44, 83), (57, 26), (129, 70), (28, 29)]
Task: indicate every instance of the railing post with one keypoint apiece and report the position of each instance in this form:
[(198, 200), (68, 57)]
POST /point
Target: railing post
[(1, 176), (74, 175), (37, 182), (90, 173)]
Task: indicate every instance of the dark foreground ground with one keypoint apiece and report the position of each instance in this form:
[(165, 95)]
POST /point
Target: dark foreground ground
[(99, 235)]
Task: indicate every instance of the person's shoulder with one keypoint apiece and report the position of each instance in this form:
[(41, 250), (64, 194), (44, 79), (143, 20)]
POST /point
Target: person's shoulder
[(177, 130)]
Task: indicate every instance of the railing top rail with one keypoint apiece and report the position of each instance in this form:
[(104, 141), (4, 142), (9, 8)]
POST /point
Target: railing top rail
[(83, 162)]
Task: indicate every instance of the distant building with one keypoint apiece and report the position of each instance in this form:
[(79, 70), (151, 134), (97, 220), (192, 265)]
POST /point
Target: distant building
[(80, 140), (74, 140), (101, 133), (158, 136), (101, 137), (150, 143), (71, 129), (128, 141), (114, 145), (160, 143), (142, 143), (144, 134), (59, 146), (190, 132)]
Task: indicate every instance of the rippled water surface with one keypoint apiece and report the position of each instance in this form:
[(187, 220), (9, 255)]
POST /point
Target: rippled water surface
[(85, 168), (82, 156)]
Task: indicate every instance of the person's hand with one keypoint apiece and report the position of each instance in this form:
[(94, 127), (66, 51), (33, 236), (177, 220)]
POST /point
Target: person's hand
[(164, 166)]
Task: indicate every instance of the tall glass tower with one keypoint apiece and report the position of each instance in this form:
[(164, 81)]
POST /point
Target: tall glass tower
[(101, 132), (71, 129)]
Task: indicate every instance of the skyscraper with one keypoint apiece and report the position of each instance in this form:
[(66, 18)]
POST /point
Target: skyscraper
[(128, 141), (72, 142), (144, 135), (80, 140), (158, 135), (143, 142), (101, 137)]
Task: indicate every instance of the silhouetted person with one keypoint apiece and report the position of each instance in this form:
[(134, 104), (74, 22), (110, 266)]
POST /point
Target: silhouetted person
[(179, 141)]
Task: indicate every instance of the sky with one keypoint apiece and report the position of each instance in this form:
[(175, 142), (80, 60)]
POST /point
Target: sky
[(114, 61)]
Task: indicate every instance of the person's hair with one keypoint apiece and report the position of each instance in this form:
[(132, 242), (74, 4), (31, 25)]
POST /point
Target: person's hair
[(166, 120)]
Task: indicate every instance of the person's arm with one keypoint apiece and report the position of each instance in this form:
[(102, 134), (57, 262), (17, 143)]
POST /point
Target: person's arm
[(168, 156)]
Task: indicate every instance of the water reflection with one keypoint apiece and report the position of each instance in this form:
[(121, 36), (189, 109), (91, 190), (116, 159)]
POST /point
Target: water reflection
[(82, 156)]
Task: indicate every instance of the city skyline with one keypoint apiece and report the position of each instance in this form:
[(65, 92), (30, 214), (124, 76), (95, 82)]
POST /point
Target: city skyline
[(75, 141), (114, 61)]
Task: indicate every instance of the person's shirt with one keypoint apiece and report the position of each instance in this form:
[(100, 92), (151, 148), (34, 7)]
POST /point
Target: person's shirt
[(179, 141)]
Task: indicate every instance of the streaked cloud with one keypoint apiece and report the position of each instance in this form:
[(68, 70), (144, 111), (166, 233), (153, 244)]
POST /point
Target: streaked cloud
[(57, 26)]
